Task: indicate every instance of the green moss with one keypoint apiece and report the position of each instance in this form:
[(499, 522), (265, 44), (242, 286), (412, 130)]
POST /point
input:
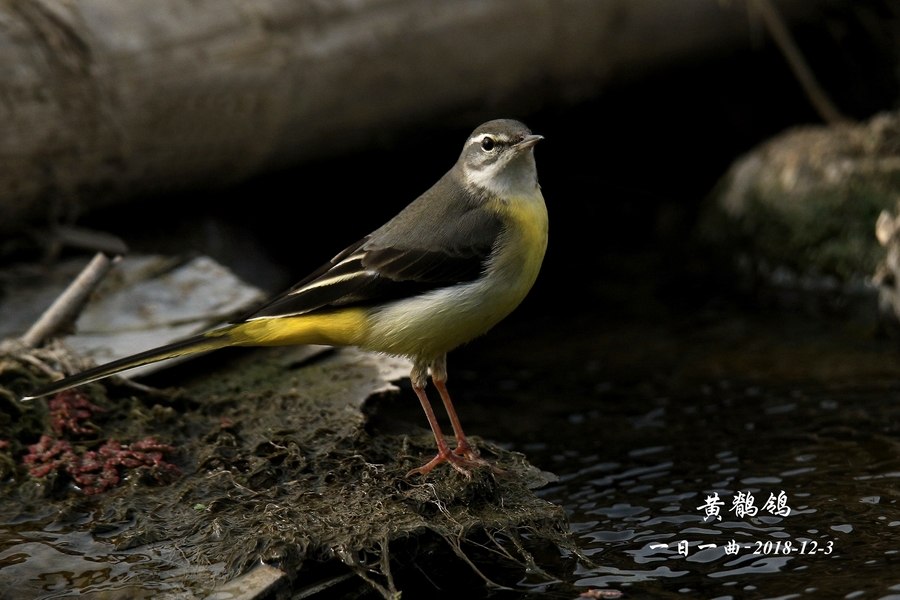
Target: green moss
[(829, 231)]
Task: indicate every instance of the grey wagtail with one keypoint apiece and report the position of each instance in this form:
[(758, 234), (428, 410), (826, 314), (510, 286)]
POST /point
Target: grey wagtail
[(446, 269)]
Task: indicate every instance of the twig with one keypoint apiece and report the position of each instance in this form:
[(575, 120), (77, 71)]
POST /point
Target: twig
[(70, 303), (38, 363), (782, 36)]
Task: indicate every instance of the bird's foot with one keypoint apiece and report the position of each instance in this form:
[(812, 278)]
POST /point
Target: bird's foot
[(465, 449), (463, 458), (457, 462)]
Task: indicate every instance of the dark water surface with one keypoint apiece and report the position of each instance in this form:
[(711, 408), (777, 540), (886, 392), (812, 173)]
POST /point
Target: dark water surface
[(645, 423)]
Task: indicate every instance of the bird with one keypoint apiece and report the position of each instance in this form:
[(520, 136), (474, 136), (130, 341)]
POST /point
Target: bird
[(443, 271)]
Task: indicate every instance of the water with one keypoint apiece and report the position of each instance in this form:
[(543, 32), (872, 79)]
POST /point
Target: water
[(40, 558), (838, 525), (646, 424)]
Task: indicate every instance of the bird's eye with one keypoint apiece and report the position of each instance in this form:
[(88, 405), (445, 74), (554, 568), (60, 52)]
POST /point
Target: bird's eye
[(487, 144)]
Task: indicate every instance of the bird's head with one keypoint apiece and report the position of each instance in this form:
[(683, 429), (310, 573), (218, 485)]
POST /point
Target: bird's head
[(498, 158)]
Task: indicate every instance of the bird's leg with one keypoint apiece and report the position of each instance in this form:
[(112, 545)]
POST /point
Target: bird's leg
[(463, 448), (419, 379), (439, 377)]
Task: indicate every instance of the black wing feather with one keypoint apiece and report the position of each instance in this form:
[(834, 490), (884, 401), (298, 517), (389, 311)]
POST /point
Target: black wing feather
[(425, 266)]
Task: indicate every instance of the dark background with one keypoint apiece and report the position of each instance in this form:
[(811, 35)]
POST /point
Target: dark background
[(625, 172)]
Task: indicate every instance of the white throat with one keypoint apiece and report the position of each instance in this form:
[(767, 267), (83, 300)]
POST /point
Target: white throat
[(514, 177)]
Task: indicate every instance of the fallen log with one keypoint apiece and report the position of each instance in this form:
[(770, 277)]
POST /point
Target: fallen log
[(102, 101)]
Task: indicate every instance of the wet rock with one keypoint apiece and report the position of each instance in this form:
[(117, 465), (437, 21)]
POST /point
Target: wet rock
[(887, 274), (798, 212)]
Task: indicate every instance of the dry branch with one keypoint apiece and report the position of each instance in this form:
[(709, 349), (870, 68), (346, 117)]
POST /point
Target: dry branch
[(65, 309), (794, 57)]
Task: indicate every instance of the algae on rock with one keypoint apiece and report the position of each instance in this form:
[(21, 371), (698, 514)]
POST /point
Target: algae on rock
[(809, 198)]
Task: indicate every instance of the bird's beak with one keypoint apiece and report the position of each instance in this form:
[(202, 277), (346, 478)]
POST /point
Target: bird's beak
[(528, 142)]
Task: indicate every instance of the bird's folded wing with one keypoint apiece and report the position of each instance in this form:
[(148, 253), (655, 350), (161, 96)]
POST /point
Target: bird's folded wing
[(370, 272)]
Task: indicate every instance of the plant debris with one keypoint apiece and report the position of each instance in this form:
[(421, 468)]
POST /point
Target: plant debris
[(97, 471), (279, 468), (68, 412)]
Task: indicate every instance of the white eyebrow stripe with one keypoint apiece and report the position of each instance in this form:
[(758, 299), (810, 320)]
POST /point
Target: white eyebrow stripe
[(500, 137)]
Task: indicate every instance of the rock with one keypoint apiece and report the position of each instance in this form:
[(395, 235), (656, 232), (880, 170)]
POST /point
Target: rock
[(887, 274), (798, 212)]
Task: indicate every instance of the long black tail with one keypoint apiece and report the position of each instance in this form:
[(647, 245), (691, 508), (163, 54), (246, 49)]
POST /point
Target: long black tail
[(200, 343)]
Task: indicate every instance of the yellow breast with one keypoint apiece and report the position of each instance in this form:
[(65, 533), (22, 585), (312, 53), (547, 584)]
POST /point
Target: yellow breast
[(432, 324), (524, 241)]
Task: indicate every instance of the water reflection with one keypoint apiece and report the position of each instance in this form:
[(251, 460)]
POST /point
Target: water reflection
[(40, 562), (778, 499)]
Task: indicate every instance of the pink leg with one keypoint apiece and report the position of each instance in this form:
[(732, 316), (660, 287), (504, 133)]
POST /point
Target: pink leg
[(444, 454), (463, 447)]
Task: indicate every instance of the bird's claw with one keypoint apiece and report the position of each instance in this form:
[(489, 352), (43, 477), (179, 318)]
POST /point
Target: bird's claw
[(465, 449), (463, 458)]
